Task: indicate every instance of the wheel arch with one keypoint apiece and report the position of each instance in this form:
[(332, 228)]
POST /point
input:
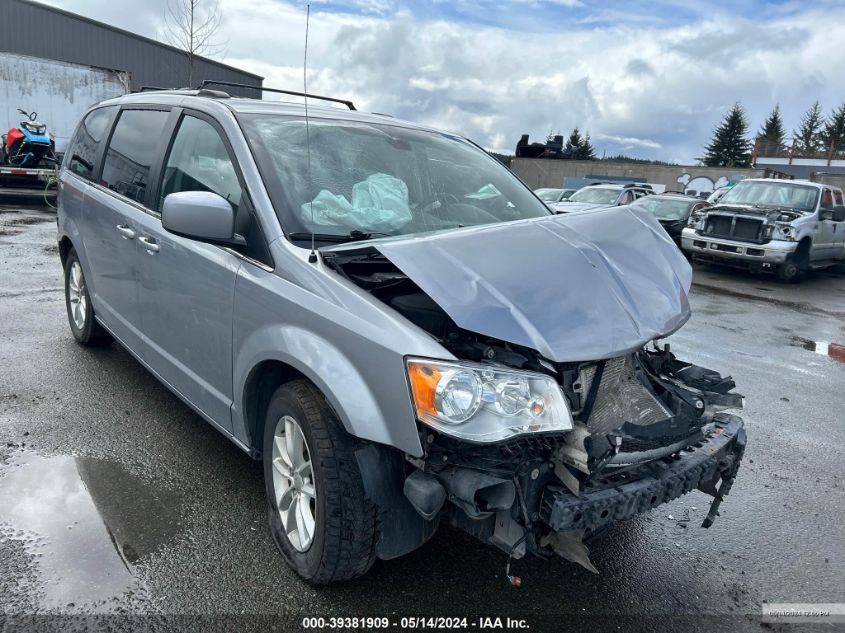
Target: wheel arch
[(264, 378), (274, 355), (802, 251), (65, 246)]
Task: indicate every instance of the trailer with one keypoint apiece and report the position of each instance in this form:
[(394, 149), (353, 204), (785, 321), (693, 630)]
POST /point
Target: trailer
[(27, 182), (60, 93)]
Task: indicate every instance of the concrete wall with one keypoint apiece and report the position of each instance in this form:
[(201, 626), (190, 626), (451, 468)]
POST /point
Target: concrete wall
[(538, 172), (837, 180)]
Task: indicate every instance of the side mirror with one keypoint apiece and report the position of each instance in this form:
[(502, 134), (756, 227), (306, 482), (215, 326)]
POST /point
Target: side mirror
[(839, 213), (200, 215)]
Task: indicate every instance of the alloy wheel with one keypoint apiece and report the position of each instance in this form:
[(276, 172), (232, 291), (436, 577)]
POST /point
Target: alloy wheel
[(76, 295), (293, 483)]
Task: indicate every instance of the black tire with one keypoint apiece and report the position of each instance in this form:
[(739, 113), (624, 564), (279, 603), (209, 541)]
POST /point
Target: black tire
[(791, 270), (91, 333), (344, 541)]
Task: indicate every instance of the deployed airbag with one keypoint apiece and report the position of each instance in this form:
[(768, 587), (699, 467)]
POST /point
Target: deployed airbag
[(379, 203), (573, 287)]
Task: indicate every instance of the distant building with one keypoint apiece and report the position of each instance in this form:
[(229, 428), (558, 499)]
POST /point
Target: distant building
[(789, 161), (31, 28)]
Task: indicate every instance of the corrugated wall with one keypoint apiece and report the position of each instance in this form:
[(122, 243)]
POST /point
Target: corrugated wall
[(32, 29)]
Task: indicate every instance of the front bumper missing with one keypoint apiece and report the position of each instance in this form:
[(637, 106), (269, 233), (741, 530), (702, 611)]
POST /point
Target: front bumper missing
[(709, 465), (772, 252)]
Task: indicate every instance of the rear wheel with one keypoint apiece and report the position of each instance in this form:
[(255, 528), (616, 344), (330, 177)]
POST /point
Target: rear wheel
[(320, 518), (80, 312)]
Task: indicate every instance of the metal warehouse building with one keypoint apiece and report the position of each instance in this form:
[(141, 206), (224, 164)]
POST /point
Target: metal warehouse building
[(30, 28)]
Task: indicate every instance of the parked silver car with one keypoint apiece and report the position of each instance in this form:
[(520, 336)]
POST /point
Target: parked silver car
[(601, 196), (551, 195), (447, 350)]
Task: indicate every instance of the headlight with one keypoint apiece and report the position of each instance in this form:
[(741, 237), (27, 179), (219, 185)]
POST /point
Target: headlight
[(481, 403), (784, 232)]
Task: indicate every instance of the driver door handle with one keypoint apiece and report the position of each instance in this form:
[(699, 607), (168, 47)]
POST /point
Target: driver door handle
[(150, 244), (125, 231)]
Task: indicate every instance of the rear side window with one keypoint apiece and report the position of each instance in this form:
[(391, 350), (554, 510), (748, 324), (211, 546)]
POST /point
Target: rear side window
[(133, 147), (85, 146)]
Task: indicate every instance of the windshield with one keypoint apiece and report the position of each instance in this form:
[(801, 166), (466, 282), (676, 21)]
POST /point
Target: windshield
[(777, 194), (664, 208), (596, 195), (548, 195), (379, 179)]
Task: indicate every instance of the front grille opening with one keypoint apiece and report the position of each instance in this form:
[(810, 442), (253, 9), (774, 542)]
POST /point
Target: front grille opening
[(747, 229), (736, 227)]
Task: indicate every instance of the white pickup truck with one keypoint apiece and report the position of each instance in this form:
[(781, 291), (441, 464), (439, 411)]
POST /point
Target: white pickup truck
[(786, 226)]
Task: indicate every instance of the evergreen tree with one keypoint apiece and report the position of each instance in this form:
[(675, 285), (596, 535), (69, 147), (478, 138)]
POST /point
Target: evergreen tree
[(730, 146), (808, 136), (585, 151), (833, 133), (573, 144), (771, 135)]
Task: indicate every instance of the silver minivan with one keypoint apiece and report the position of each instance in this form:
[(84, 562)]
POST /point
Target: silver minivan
[(393, 322)]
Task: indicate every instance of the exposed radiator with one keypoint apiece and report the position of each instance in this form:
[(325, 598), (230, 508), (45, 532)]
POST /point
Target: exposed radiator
[(621, 397)]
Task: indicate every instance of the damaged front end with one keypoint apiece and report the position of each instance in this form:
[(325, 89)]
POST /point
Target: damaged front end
[(647, 429), (525, 446)]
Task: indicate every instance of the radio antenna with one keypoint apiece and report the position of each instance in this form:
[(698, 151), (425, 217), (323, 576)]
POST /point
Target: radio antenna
[(312, 257)]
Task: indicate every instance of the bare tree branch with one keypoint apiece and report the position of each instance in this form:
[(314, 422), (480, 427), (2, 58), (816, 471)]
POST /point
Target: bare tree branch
[(192, 26)]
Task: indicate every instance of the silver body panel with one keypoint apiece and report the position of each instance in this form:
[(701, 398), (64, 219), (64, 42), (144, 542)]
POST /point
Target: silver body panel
[(203, 318)]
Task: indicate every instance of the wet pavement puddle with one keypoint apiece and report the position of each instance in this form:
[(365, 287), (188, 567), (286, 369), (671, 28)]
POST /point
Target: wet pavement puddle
[(833, 350), (84, 521)]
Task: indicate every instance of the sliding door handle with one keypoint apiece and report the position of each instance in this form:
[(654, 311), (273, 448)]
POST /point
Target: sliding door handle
[(126, 232), (150, 245)]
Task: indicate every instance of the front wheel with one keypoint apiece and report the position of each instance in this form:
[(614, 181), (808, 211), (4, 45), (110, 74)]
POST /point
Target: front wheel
[(790, 271), (320, 518), (80, 312)]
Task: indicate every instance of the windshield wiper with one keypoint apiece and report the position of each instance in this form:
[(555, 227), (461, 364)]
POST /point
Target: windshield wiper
[(353, 236)]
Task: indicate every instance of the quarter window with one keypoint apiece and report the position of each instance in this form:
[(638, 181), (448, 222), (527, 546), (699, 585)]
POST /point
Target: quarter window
[(827, 199), (131, 151), (198, 161), (86, 144)]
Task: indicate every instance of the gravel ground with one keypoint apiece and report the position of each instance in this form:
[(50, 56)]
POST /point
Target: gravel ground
[(116, 499)]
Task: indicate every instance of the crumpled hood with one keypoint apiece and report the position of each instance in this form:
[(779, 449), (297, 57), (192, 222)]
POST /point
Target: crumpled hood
[(572, 287), (572, 207)]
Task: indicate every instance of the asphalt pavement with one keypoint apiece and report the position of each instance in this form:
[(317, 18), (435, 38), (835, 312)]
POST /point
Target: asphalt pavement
[(117, 499)]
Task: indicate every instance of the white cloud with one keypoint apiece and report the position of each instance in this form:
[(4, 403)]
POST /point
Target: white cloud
[(653, 89), (628, 142)]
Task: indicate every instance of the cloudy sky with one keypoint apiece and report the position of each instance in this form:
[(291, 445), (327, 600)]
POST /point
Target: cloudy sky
[(647, 78)]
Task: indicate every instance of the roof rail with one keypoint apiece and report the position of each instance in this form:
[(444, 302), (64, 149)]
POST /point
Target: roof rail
[(212, 82), (148, 88), (214, 94)]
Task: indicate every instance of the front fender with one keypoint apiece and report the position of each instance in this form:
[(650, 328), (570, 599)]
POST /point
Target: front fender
[(388, 419)]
